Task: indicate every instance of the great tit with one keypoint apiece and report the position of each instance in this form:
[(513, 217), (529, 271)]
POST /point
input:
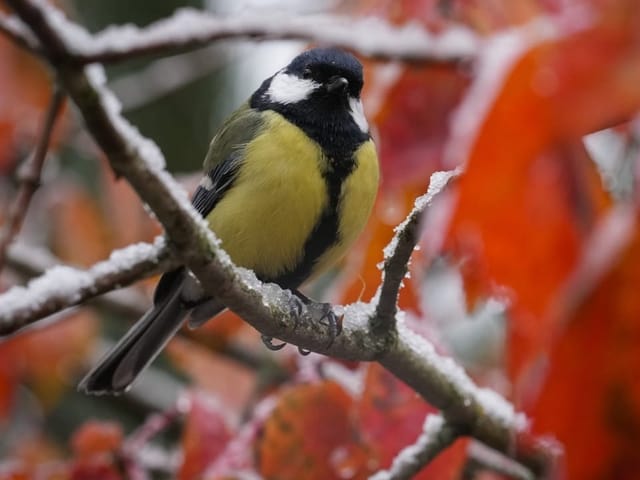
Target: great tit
[(290, 180)]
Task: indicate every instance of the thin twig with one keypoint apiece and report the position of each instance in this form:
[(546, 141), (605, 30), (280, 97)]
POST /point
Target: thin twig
[(29, 176), (399, 250), (435, 437)]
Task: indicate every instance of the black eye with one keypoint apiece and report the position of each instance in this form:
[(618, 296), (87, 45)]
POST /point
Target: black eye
[(306, 73)]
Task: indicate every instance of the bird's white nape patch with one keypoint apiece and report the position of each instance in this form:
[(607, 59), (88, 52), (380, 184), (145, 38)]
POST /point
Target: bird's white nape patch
[(206, 183), (286, 88), (357, 113)]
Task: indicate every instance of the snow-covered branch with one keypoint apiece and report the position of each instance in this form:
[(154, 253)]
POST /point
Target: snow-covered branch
[(435, 437), (189, 28), (399, 250), (63, 286), (471, 410)]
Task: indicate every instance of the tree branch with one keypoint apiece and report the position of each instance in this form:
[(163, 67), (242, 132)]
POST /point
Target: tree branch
[(398, 253), (189, 29), (467, 408), (63, 286), (435, 437), (29, 176)]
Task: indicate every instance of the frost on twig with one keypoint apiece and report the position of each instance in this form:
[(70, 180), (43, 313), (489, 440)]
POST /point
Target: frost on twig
[(64, 286), (399, 250), (435, 437)]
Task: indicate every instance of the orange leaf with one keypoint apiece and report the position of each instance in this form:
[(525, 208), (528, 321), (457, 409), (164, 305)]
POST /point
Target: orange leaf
[(26, 90), (361, 276), (530, 195), (49, 357), (591, 398), (96, 437), (80, 235), (310, 435)]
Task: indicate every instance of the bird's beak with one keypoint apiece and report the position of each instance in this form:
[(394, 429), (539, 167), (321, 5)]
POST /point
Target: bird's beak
[(337, 84)]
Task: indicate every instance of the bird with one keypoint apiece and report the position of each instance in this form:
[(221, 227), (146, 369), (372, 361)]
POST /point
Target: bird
[(290, 180)]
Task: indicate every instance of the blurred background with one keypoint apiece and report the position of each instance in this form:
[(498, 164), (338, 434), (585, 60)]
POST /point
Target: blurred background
[(505, 280)]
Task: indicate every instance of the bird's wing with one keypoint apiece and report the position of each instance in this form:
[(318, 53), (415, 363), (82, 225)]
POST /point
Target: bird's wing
[(225, 155), (221, 166)]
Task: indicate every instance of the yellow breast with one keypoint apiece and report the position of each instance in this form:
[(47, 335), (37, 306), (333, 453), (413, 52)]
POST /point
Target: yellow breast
[(266, 217)]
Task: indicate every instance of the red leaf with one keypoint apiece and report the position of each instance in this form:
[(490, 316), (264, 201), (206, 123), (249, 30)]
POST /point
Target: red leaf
[(591, 398), (530, 195), (310, 435), (391, 416), (96, 437), (96, 469), (205, 435), (413, 123)]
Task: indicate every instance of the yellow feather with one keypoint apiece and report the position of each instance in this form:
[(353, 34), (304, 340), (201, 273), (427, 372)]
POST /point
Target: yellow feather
[(266, 217)]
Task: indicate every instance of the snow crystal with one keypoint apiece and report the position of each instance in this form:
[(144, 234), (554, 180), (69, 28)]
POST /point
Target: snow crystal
[(356, 315)]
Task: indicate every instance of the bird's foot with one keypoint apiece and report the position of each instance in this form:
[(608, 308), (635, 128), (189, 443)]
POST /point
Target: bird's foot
[(315, 311), (320, 312), (268, 342)]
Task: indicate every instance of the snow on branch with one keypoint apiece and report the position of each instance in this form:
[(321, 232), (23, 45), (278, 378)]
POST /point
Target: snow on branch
[(63, 286), (435, 437), (473, 411), (399, 250), (189, 28)]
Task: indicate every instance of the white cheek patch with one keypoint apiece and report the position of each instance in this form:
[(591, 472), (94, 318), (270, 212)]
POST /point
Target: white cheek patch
[(287, 88), (357, 113), (206, 183)]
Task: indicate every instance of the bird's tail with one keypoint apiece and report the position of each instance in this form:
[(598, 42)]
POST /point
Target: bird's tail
[(141, 344)]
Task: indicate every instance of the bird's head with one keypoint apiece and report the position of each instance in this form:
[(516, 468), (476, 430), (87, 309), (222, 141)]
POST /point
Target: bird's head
[(320, 83)]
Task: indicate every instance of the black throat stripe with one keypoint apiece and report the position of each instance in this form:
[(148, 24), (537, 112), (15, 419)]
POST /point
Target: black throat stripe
[(325, 234)]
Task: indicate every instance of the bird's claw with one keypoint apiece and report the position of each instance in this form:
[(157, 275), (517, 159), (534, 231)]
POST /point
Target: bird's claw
[(321, 312), (332, 321), (268, 342)]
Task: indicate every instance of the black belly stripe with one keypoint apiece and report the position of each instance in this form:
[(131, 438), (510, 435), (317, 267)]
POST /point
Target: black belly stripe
[(325, 234)]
